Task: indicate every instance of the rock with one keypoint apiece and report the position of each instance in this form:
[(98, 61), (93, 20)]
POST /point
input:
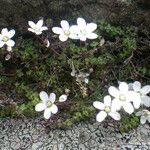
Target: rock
[(97, 139), (36, 145), (145, 3), (61, 146), (82, 147), (17, 13)]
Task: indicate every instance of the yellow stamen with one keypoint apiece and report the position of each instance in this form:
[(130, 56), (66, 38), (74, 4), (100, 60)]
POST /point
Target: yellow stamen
[(66, 32), (145, 113), (84, 32), (107, 109), (5, 38), (122, 97), (49, 103), (37, 29), (139, 93)]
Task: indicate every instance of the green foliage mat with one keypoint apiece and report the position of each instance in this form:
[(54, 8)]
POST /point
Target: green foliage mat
[(33, 67)]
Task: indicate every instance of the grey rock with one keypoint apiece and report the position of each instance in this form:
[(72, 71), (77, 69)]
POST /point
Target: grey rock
[(79, 137)]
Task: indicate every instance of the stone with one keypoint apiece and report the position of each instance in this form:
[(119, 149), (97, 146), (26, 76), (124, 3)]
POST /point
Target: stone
[(17, 13), (82, 147), (61, 146), (94, 139), (37, 145)]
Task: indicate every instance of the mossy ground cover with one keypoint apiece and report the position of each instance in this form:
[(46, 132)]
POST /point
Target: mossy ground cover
[(32, 68)]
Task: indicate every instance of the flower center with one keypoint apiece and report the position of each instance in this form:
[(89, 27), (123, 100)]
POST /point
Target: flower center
[(37, 29), (49, 103), (122, 97), (5, 38), (145, 113), (139, 92), (67, 32), (84, 32), (107, 109)]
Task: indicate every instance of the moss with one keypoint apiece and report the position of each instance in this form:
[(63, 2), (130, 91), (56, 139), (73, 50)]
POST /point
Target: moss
[(35, 68), (112, 30), (9, 111), (83, 112), (80, 113), (128, 123), (129, 45)]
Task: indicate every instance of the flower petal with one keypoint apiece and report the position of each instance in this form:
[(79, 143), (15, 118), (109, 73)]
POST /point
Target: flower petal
[(92, 36), (145, 89), (136, 86), (32, 24), (73, 36), (116, 105), (40, 23), (101, 116), (128, 107), (115, 115), (130, 85), (9, 49), (146, 100), (54, 109), (47, 113), (134, 97), (98, 105), (143, 119), (64, 25), (107, 100), (1, 36), (131, 96), (113, 91), (82, 37), (11, 33), (40, 107), (1, 44), (38, 33), (57, 30), (86, 80), (10, 43), (44, 96), (44, 28), (123, 87), (31, 30), (137, 103), (74, 29), (52, 97), (4, 32), (63, 98), (139, 113), (149, 118), (91, 27), (63, 37), (81, 23)]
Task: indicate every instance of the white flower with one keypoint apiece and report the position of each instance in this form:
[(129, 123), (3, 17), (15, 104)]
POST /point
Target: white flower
[(105, 109), (145, 115), (142, 91), (86, 80), (47, 104), (63, 98), (86, 30), (5, 37), (123, 98), (37, 28), (8, 56), (82, 77), (66, 31), (46, 42), (9, 49)]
